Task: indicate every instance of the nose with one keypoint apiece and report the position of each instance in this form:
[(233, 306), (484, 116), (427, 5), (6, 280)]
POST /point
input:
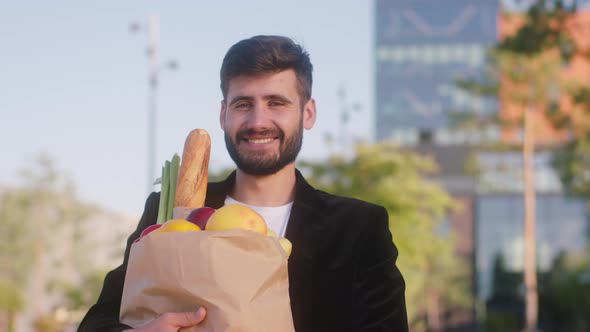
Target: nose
[(258, 117)]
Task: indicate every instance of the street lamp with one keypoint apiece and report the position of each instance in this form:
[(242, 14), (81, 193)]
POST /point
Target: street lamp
[(153, 30), (346, 110)]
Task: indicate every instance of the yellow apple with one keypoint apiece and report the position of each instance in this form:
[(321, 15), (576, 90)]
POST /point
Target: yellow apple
[(177, 225), (236, 216), (286, 244), (270, 232)]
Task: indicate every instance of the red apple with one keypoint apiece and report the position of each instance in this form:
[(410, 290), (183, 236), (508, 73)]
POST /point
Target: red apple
[(148, 230), (200, 216)]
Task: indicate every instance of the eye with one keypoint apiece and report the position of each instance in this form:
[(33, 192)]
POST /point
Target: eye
[(242, 105), (275, 103)]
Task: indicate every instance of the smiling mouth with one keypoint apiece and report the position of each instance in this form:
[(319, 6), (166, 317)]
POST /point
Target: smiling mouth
[(259, 137), (260, 140)]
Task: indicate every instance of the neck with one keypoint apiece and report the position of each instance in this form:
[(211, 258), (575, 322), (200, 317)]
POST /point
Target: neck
[(265, 190)]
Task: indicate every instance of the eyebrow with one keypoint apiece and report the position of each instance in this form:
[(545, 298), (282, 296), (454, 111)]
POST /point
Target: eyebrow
[(268, 97), (240, 98), (279, 97)]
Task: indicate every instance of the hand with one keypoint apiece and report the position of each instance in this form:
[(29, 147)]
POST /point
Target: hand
[(173, 321)]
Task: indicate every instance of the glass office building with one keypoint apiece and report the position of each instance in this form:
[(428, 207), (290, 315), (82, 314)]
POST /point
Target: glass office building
[(561, 227), (422, 48)]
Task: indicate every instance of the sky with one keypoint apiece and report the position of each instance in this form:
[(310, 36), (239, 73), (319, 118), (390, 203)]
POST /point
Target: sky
[(73, 82)]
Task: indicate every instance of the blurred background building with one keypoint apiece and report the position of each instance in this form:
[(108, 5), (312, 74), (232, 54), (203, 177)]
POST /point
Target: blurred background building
[(422, 47)]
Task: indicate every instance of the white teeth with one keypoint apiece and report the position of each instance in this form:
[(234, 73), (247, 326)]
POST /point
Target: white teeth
[(260, 141)]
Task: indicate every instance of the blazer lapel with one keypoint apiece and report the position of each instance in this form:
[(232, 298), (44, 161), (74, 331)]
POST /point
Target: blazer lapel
[(305, 230), (304, 227)]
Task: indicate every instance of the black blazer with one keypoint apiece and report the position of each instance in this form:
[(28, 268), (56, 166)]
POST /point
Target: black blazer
[(342, 271)]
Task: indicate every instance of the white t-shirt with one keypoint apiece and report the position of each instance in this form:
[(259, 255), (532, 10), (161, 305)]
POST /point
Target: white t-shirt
[(276, 217)]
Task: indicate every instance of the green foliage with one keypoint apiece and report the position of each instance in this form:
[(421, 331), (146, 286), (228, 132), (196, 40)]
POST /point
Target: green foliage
[(82, 294), (543, 29), (37, 219), (582, 96), (501, 322), (566, 297), (16, 237), (572, 161), (573, 164), (398, 180), (524, 68), (11, 297)]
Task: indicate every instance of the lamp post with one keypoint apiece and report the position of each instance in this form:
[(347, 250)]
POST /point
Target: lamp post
[(153, 30), (346, 110)]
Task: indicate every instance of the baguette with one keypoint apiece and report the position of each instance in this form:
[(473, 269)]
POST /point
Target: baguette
[(192, 180)]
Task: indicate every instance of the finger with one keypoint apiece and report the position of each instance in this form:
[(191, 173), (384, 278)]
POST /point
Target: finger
[(186, 319), (201, 313)]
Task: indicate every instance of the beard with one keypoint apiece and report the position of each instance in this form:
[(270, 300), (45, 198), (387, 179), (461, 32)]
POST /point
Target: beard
[(264, 162)]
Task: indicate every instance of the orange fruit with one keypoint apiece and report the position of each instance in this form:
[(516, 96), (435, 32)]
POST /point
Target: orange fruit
[(177, 225)]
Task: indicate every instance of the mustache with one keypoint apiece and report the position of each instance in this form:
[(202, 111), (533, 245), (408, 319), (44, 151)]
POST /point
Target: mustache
[(274, 132)]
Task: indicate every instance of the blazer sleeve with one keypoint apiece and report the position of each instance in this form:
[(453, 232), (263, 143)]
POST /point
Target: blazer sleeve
[(379, 285), (104, 315)]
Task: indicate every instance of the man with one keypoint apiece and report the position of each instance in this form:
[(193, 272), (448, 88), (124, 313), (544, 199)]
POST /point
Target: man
[(342, 272)]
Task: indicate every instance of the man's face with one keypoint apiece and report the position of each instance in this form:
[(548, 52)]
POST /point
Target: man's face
[(263, 121)]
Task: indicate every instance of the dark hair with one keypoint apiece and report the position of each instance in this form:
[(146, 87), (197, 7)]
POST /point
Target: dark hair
[(267, 54)]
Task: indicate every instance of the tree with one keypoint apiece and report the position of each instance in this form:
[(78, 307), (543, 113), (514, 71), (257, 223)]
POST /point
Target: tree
[(42, 223), (11, 302), (572, 161), (398, 180), (526, 77)]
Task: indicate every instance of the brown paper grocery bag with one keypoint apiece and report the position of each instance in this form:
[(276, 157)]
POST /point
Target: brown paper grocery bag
[(239, 276)]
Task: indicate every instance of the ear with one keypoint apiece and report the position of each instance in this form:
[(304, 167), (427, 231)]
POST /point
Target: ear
[(309, 114), (222, 115)]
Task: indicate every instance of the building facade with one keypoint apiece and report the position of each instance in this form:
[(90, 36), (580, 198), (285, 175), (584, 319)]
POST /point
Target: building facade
[(422, 47)]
